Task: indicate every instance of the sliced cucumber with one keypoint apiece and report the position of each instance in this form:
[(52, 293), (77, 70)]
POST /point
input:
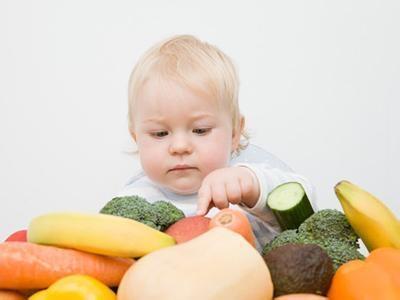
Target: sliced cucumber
[(290, 205)]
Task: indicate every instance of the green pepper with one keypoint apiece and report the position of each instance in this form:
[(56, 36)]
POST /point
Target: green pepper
[(76, 287)]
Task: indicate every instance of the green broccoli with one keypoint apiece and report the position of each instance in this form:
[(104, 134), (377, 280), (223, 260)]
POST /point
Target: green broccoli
[(166, 214), (289, 236), (326, 224), (340, 252), (327, 228), (158, 215)]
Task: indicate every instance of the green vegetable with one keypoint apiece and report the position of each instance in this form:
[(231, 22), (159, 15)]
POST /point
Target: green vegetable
[(327, 228), (158, 215), (329, 223), (340, 252), (167, 214), (290, 205), (289, 236)]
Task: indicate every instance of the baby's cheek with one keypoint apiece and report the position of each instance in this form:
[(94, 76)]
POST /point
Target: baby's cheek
[(151, 164), (216, 159)]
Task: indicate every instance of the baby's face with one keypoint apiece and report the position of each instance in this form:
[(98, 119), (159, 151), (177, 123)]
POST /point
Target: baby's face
[(181, 135)]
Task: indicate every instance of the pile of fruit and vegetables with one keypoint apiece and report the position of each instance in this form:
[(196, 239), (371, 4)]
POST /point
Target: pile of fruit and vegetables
[(136, 250)]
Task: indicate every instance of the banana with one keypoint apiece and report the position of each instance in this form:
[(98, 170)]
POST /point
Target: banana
[(375, 224), (97, 233)]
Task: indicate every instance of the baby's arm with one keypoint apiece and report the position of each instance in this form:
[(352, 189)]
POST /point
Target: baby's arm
[(247, 185), (268, 179)]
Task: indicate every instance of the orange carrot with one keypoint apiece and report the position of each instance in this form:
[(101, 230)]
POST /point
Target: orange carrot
[(26, 265), (11, 295), (236, 221)]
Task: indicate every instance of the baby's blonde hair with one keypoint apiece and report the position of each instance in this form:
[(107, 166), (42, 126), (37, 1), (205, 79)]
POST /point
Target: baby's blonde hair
[(199, 65)]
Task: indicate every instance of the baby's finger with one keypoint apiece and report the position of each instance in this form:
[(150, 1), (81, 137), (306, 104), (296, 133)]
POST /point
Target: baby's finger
[(246, 187), (218, 195), (204, 200), (234, 192)]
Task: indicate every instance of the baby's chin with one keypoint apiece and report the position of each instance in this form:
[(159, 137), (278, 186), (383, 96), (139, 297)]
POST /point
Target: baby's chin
[(184, 189), (181, 191)]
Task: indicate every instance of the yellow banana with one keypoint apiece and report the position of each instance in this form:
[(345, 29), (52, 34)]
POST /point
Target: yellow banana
[(375, 224), (97, 233)]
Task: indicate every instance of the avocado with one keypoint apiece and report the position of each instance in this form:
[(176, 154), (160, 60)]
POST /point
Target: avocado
[(299, 268)]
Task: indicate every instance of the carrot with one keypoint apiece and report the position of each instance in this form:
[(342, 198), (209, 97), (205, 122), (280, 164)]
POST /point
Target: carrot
[(234, 220), (26, 265), (11, 295)]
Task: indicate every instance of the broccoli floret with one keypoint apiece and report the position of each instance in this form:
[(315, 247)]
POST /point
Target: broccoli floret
[(158, 215), (167, 214), (289, 236), (327, 224), (131, 207), (340, 252), (328, 229)]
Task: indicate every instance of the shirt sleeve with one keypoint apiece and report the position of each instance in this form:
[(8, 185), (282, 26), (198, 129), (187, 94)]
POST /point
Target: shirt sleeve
[(268, 179)]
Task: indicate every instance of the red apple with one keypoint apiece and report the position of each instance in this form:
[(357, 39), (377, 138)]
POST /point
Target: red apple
[(188, 228), (18, 236)]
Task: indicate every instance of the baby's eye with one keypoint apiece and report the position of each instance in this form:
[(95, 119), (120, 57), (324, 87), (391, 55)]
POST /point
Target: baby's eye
[(159, 134), (201, 131)]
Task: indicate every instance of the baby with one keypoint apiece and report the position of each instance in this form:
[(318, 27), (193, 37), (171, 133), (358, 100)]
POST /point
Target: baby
[(184, 118)]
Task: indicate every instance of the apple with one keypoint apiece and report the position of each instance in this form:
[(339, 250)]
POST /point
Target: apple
[(18, 236), (188, 228)]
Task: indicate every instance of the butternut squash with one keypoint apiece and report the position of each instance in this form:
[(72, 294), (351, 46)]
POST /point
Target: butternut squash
[(219, 264)]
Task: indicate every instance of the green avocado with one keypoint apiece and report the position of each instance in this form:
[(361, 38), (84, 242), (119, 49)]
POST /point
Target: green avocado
[(299, 268)]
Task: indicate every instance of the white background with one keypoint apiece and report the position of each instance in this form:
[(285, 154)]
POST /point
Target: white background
[(320, 87)]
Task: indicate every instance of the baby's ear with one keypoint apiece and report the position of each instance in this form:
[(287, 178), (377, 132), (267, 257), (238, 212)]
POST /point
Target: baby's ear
[(237, 132), (132, 132)]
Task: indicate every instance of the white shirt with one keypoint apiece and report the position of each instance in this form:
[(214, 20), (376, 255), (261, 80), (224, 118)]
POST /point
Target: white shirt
[(269, 171)]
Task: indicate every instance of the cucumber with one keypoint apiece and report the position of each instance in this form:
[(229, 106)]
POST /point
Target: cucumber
[(290, 205)]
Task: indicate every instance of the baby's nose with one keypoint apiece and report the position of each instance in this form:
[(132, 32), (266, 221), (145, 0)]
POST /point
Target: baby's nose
[(180, 145)]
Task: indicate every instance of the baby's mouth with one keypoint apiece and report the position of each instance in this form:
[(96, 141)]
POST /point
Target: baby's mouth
[(180, 168)]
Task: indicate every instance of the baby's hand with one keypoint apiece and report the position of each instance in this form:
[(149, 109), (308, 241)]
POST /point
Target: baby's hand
[(228, 185)]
